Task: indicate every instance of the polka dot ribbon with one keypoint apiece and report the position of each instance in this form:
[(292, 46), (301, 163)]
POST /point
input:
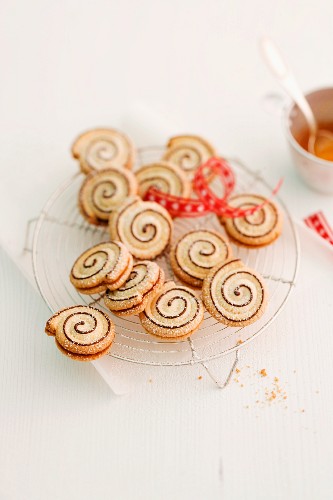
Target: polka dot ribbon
[(207, 201), (319, 223)]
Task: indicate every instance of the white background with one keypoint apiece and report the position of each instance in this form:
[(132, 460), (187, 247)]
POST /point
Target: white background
[(70, 65)]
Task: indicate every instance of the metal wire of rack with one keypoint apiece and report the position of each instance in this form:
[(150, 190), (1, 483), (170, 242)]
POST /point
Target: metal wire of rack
[(61, 234)]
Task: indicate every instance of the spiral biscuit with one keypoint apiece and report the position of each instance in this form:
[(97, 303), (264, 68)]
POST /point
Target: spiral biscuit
[(174, 313), (106, 264), (141, 286), (164, 176), (188, 152), (234, 294), (103, 191), (196, 253), (144, 227), (103, 148), (111, 286), (81, 332), (259, 229)]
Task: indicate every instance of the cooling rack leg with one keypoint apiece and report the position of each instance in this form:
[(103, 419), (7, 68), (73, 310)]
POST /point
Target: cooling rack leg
[(28, 232), (196, 359), (96, 301), (223, 385)]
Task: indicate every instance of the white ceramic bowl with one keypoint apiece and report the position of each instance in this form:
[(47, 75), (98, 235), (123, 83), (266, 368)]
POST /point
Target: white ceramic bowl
[(316, 172)]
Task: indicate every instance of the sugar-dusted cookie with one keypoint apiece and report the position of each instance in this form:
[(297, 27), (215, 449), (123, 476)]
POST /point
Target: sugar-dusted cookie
[(234, 294), (164, 176), (106, 264), (196, 253), (142, 285), (145, 227), (174, 313), (188, 152), (104, 190), (261, 228), (103, 148), (82, 333)]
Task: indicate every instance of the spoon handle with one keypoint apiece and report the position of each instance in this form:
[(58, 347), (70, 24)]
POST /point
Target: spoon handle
[(275, 62)]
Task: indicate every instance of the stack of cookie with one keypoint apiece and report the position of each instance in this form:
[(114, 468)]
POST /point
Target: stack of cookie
[(82, 333), (123, 269), (144, 282)]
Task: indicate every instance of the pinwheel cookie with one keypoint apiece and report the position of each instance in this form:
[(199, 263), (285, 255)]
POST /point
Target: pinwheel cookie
[(234, 294), (104, 265), (174, 313), (103, 191), (82, 333), (103, 148), (188, 152), (196, 253), (145, 227), (165, 177), (261, 228), (142, 285)]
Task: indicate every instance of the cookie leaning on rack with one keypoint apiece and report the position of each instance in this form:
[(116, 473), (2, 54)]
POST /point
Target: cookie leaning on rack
[(188, 152), (103, 148), (165, 177), (255, 230), (103, 191), (142, 285), (104, 265), (145, 227), (196, 253), (82, 333), (174, 313), (234, 294)]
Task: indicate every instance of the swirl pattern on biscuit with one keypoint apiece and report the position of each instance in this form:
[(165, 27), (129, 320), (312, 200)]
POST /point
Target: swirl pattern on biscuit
[(103, 148), (260, 228), (234, 294), (103, 191), (188, 152), (105, 263), (81, 332), (196, 253), (165, 177), (142, 284), (175, 312), (144, 227)]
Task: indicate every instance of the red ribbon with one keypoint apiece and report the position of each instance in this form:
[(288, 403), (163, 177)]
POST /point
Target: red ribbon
[(207, 201), (319, 223)]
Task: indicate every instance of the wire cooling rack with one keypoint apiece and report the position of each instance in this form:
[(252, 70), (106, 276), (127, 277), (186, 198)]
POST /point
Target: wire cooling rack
[(61, 234)]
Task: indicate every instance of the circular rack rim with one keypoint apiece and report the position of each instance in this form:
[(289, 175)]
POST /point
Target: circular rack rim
[(195, 359)]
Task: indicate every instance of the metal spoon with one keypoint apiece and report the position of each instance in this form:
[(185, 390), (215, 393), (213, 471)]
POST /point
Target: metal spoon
[(318, 138)]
